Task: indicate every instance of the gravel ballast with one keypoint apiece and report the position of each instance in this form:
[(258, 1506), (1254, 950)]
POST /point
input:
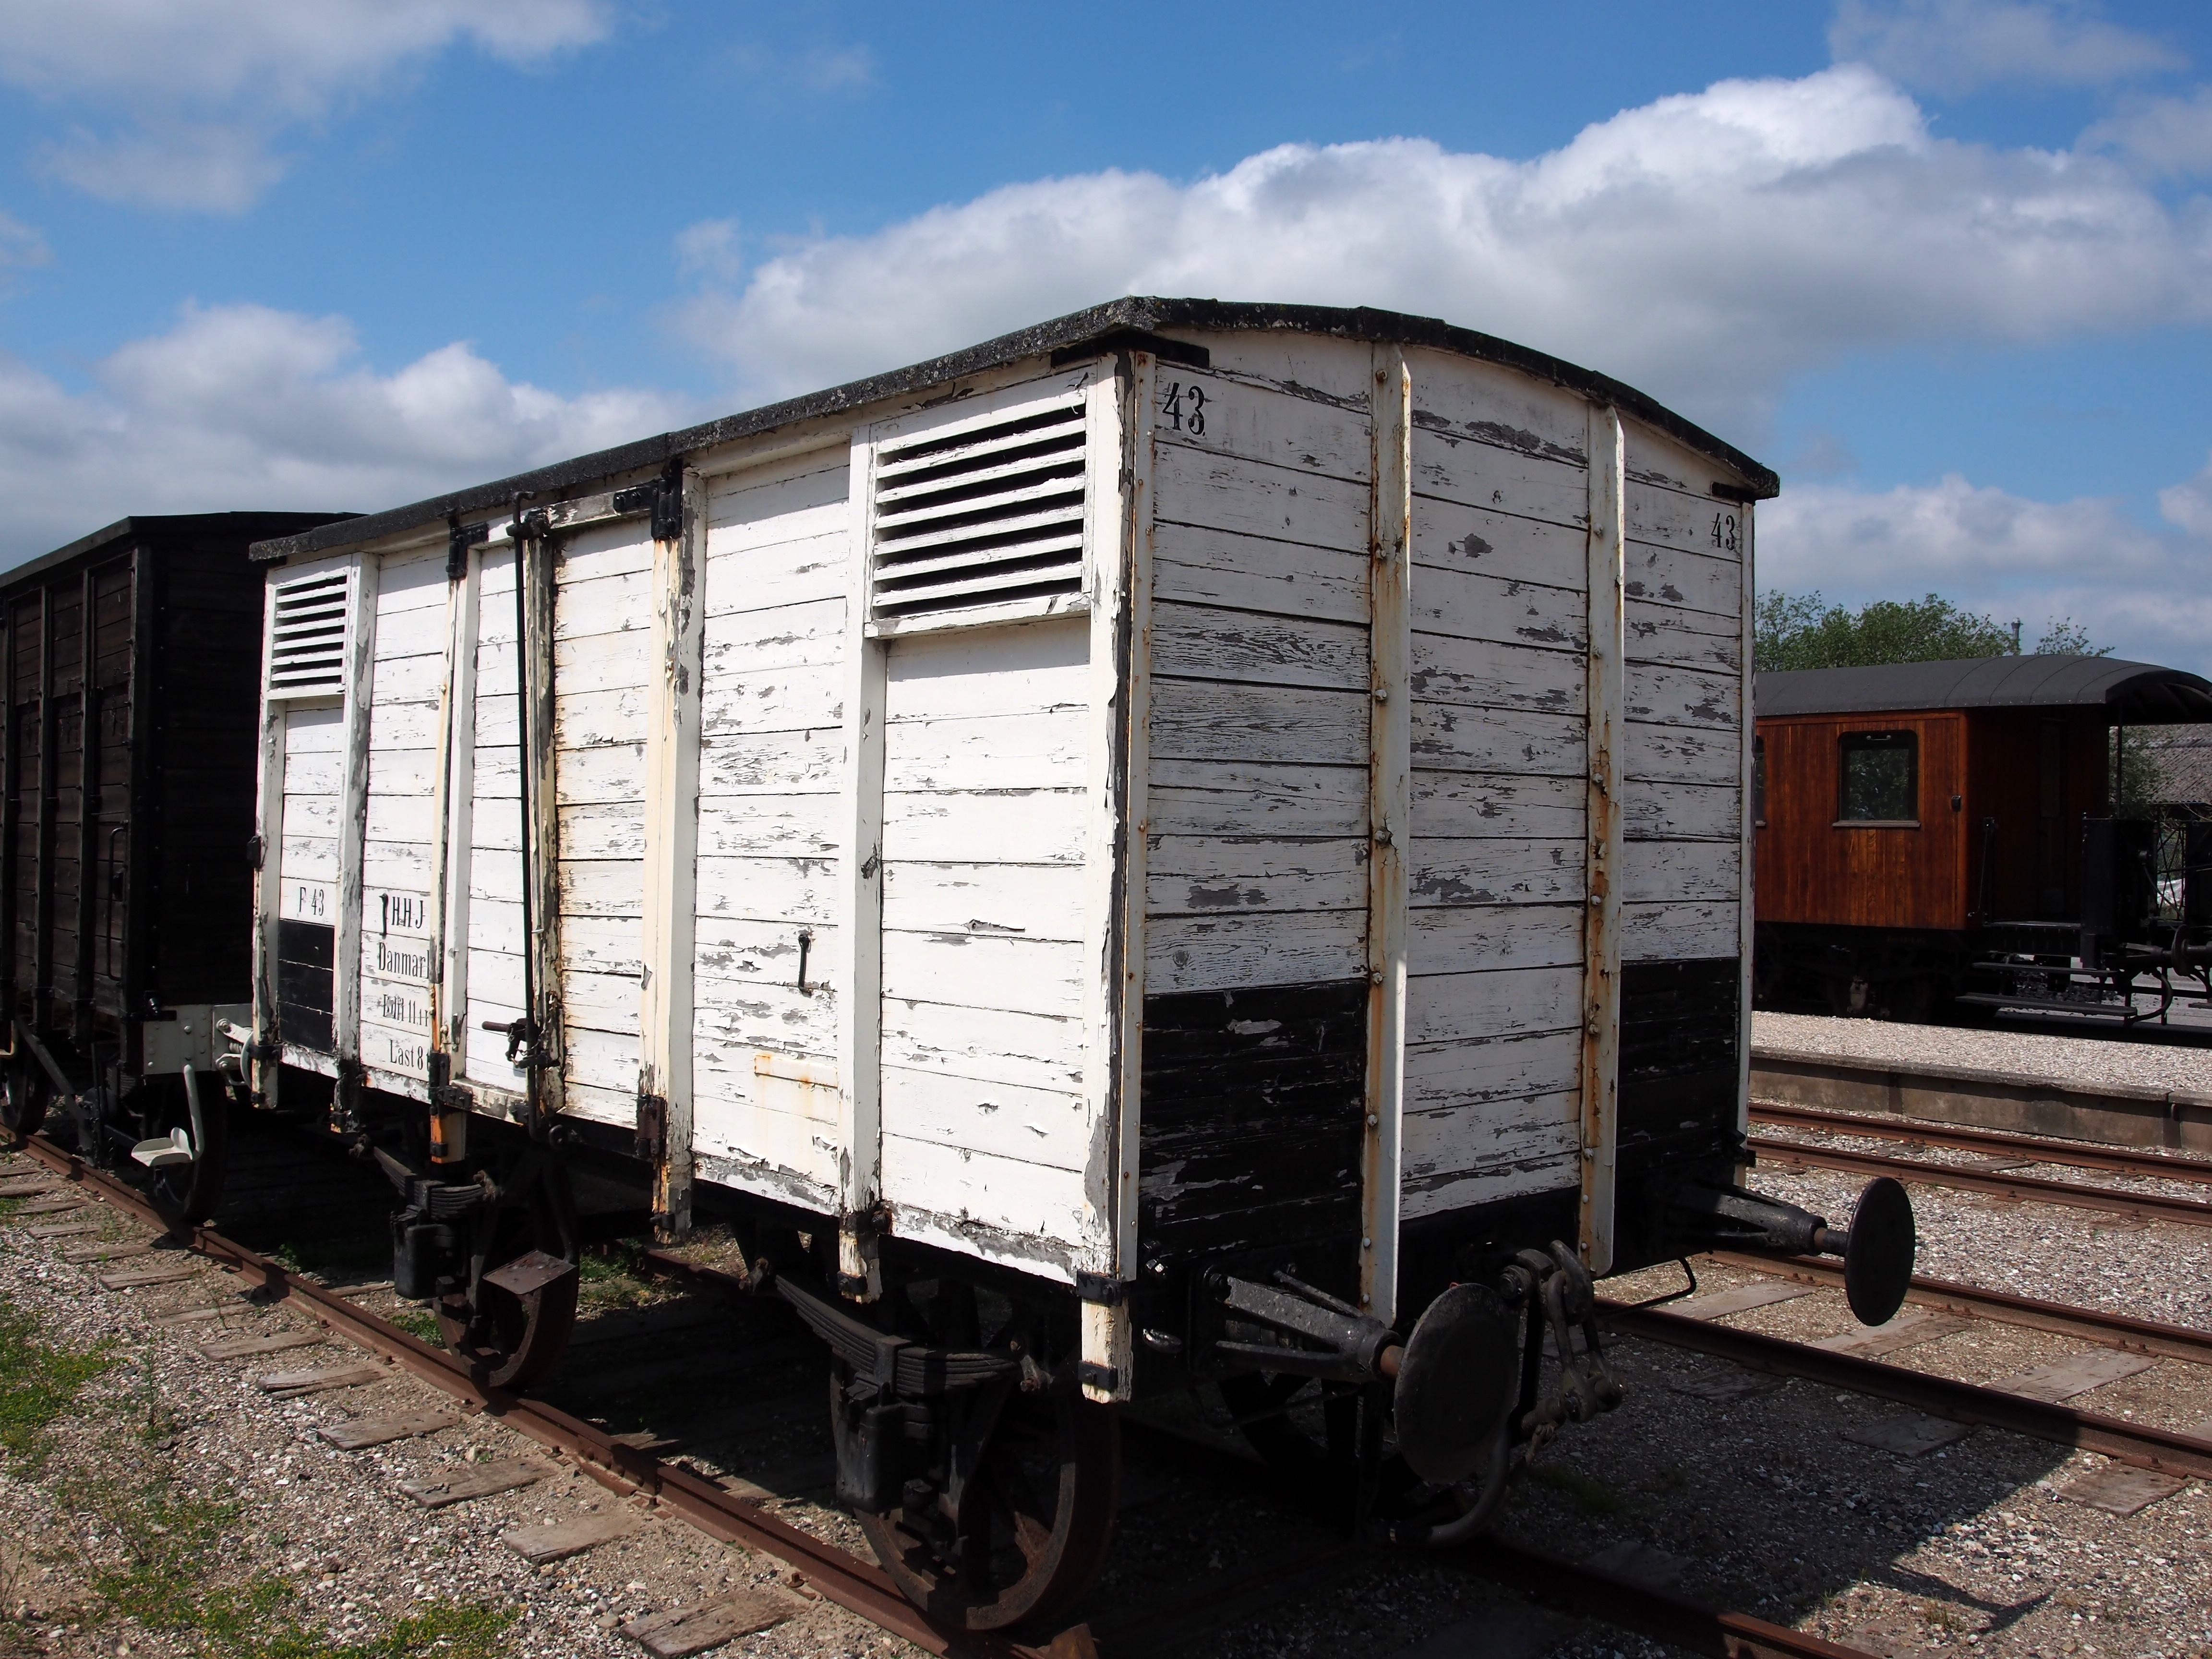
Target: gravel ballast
[(2068, 1061), (1743, 1491)]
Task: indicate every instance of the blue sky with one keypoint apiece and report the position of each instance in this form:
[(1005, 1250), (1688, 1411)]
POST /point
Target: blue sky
[(1946, 264)]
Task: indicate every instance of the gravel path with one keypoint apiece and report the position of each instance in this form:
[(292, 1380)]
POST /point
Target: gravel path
[(2089, 1062)]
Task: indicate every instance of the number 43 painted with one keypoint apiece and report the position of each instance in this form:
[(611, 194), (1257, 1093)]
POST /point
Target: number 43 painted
[(1185, 408)]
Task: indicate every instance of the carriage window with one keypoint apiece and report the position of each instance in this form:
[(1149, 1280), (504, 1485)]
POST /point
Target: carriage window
[(1759, 783), (1881, 777)]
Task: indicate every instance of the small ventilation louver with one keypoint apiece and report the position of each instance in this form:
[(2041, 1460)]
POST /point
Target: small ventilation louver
[(984, 515), (307, 635)]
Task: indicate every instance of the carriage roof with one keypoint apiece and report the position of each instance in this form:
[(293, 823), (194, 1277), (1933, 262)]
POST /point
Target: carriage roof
[(2127, 693), (1132, 321)]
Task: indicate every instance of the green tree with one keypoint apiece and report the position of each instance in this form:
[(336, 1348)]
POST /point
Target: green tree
[(1804, 630)]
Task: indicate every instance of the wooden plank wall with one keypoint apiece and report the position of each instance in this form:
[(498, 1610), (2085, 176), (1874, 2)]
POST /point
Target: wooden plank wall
[(65, 843), (771, 749), (1257, 815), (108, 782), (1812, 871), (986, 804), (203, 735), (27, 625), (313, 739), (408, 676), (1501, 515), (602, 673), (1256, 857), (492, 923), (1686, 686)]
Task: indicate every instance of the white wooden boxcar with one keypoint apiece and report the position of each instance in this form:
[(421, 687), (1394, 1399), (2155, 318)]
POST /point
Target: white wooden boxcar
[(1189, 794)]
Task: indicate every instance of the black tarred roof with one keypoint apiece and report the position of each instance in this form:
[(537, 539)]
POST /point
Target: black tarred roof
[(1118, 321), (2129, 693)]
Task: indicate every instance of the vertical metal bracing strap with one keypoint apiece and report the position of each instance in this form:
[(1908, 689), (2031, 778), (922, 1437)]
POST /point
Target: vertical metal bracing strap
[(1389, 807), (522, 752), (88, 851), (860, 912), (534, 618), (268, 859), (1746, 916), (1606, 691), (455, 795), (671, 846), (1118, 533), (353, 822)]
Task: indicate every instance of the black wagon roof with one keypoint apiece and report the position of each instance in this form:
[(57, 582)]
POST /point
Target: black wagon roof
[(1134, 321), (2129, 693), (233, 527)]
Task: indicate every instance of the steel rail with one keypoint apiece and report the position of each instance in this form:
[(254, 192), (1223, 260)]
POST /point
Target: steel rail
[(864, 1589), (2162, 1166), (859, 1586), (2127, 1442), (2109, 1330), (2143, 1207)]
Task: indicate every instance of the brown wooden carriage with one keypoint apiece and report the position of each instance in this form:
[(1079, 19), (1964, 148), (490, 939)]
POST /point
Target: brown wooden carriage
[(1926, 829)]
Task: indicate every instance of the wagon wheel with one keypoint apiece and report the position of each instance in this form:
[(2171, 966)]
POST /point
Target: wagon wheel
[(25, 1089), (186, 1193), (1027, 1532), (513, 1330), (1033, 1523)]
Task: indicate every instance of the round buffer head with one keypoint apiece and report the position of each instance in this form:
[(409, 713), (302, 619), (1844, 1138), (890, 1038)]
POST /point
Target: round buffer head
[(1456, 1382), (1878, 1260)]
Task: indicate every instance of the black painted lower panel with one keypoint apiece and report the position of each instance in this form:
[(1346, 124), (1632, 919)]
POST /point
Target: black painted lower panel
[(1680, 1032), (1253, 1106), (306, 985)]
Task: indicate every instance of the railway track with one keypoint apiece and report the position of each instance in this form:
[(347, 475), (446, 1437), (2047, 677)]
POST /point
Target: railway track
[(2159, 1166), (1991, 1178), (2120, 1331), (2169, 1451), (860, 1586)]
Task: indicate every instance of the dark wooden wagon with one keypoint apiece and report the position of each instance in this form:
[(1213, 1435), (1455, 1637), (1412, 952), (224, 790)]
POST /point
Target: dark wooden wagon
[(132, 668)]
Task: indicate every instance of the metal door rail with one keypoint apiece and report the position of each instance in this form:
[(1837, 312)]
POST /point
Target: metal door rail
[(2124, 1441), (2106, 1329), (2144, 1206), (2161, 1166)]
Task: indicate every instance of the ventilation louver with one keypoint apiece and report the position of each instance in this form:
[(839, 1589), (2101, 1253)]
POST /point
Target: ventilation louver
[(307, 635), (988, 513)]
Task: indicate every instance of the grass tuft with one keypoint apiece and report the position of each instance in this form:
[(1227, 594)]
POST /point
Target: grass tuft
[(38, 1383)]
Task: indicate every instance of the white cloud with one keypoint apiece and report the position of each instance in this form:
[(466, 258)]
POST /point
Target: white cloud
[(21, 244), (2189, 503), (1961, 45), (241, 406), (2168, 136), (206, 166), (709, 248), (297, 55), (207, 85), (1704, 248), (814, 69), (2143, 591)]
